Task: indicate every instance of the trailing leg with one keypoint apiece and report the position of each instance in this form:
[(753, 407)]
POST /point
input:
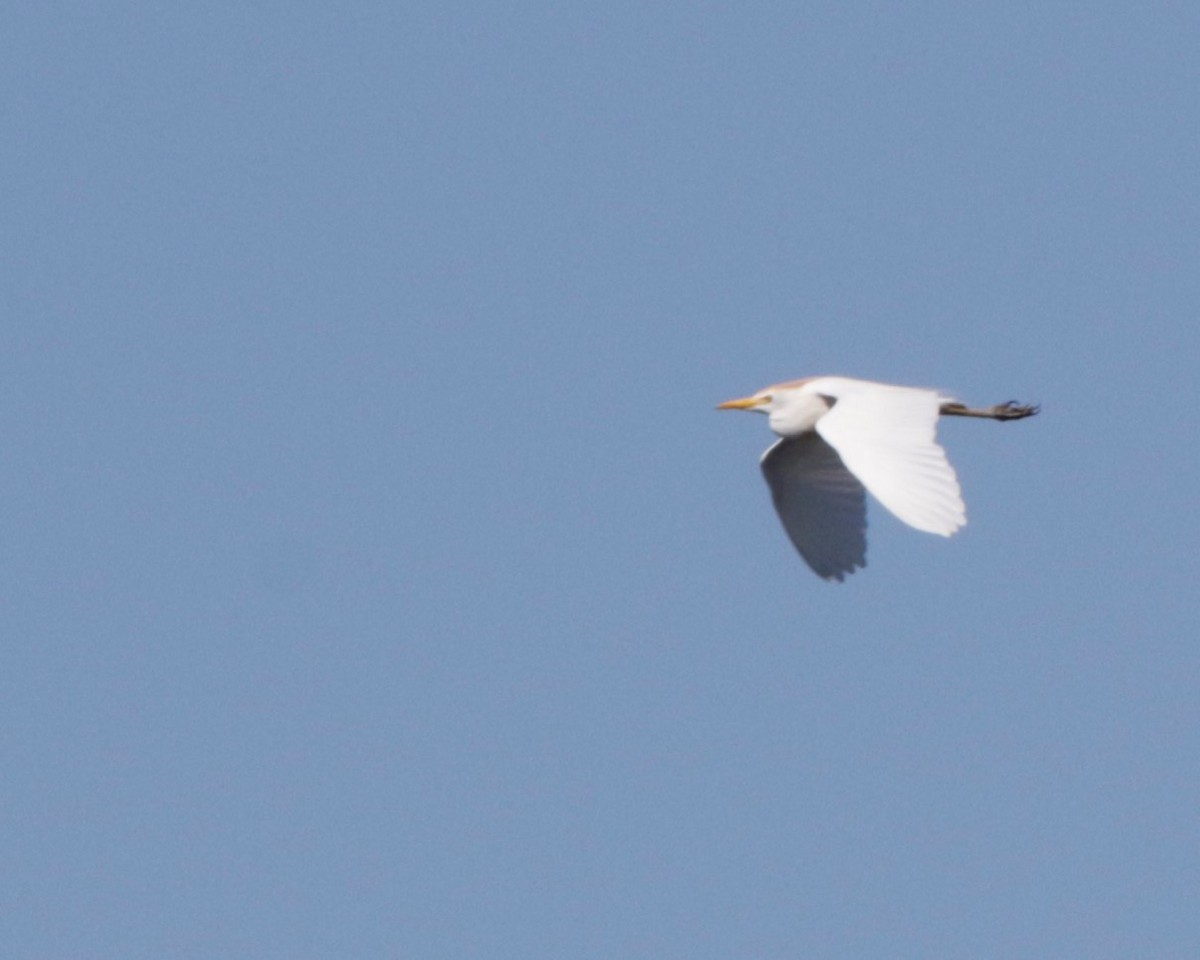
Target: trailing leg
[(1001, 411)]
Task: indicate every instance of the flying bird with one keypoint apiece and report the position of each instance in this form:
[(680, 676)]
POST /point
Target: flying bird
[(840, 437)]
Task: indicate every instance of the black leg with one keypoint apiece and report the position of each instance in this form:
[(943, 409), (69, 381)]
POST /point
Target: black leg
[(1002, 411)]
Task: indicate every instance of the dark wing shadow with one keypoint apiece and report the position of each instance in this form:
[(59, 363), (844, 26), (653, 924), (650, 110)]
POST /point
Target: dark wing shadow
[(822, 505)]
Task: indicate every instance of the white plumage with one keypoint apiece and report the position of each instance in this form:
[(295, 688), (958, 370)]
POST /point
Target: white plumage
[(839, 436)]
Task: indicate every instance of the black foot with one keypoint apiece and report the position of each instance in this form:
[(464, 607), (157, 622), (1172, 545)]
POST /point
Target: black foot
[(1014, 411)]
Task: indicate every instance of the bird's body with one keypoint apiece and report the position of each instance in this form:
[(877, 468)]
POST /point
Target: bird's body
[(840, 437)]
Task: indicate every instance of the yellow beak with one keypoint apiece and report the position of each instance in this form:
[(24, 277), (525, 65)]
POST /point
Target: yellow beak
[(745, 403)]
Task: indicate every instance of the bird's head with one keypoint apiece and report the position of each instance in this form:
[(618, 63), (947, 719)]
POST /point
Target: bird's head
[(791, 407)]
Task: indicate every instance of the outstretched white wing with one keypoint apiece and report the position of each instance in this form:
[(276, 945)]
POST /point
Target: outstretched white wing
[(885, 437), (822, 506)]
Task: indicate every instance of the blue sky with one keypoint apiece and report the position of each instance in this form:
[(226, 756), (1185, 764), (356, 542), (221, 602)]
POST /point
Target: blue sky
[(378, 579)]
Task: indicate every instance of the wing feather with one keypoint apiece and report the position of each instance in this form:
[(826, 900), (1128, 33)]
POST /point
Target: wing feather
[(822, 505), (885, 435)]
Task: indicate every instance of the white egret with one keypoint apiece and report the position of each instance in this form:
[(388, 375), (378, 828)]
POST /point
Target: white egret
[(840, 437)]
